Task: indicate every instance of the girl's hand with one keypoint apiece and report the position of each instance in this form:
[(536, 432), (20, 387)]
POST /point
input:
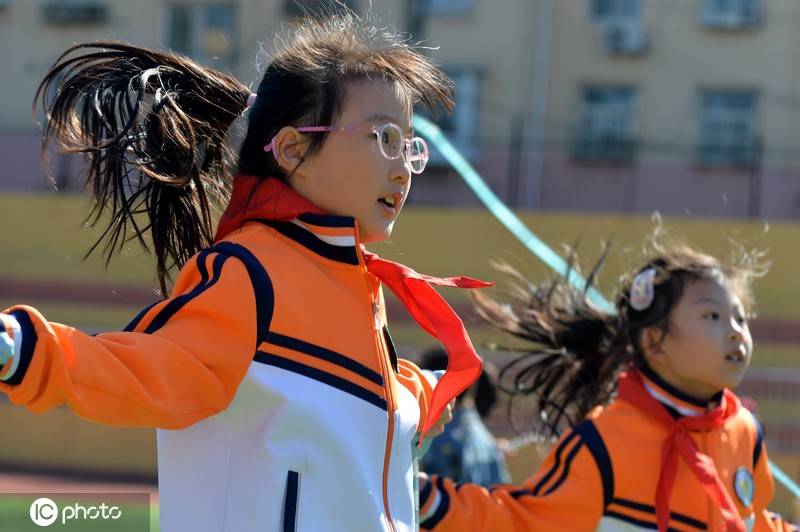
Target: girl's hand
[(444, 419)]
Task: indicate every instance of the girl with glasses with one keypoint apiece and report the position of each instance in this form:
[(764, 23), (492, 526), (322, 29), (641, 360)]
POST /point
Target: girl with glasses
[(269, 371)]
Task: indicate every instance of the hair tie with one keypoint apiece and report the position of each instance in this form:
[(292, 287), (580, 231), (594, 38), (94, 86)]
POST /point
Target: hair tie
[(642, 289)]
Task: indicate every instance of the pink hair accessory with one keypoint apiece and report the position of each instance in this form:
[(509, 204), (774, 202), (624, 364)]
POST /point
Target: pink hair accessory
[(642, 289)]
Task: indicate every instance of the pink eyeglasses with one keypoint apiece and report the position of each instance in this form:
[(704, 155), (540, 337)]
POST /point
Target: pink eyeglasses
[(391, 142)]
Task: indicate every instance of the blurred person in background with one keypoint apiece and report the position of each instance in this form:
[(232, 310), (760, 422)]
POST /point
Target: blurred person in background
[(466, 451)]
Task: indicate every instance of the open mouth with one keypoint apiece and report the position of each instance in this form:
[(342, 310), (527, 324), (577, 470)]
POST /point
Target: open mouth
[(736, 356), (388, 201)]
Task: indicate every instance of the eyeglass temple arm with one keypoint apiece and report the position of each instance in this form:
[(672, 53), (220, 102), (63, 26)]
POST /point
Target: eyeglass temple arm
[(307, 129)]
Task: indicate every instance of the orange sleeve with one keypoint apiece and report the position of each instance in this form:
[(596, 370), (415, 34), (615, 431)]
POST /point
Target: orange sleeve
[(567, 493), (180, 360), (764, 489)]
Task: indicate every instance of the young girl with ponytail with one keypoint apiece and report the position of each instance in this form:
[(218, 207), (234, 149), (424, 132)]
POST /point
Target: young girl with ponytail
[(652, 437), (269, 371)]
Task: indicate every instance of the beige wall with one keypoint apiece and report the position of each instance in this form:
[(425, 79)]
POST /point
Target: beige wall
[(683, 58), (498, 42)]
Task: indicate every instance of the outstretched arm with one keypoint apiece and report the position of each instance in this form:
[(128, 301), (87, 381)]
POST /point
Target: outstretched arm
[(181, 360), (566, 494)]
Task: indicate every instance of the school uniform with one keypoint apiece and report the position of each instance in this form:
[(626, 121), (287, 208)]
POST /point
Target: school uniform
[(642, 463), (269, 373)]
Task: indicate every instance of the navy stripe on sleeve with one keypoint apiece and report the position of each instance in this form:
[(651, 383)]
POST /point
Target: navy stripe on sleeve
[(259, 279), (441, 511), (262, 286), (26, 349), (172, 308), (323, 353), (555, 466), (565, 471), (324, 377), (594, 442), (135, 322)]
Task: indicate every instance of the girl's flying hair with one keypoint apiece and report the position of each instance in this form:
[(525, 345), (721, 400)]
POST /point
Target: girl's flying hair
[(578, 350), (154, 125)]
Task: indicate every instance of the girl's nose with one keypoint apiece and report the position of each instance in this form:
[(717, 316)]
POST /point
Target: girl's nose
[(401, 171), (736, 332)]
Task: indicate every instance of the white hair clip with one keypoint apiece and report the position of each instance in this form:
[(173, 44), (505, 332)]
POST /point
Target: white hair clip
[(642, 289), (251, 100)]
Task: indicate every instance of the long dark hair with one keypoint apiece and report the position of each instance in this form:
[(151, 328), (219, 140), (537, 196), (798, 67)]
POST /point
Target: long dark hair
[(575, 350), (154, 125)]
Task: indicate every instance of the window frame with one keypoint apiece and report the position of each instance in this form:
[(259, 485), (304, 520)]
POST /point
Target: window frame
[(593, 143), (712, 150), (198, 11)]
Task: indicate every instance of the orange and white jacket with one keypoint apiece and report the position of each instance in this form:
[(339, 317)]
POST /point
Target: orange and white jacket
[(270, 375), (602, 476)]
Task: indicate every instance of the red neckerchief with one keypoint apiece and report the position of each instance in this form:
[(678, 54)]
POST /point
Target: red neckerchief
[(679, 441), (269, 198)]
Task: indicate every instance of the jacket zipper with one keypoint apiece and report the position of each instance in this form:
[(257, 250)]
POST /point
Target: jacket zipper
[(375, 317)]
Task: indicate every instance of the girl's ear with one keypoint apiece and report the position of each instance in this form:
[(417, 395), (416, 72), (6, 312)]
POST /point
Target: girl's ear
[(652, 344), (290, 148)]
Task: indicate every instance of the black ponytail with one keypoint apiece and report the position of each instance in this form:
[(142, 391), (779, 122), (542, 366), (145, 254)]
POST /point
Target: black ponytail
[(574, 352), (153, 126)]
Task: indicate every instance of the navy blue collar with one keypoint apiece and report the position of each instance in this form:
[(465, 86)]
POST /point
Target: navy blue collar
[(332, 237), (677, 393)]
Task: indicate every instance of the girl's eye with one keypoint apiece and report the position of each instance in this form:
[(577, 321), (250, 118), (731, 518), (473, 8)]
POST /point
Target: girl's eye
[(713, 315)]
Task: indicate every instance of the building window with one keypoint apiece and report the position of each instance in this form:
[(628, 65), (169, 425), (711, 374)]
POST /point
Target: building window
[(731, 14), (607, 11), (449, 7), (204, 32), (727, 128), (606, 127), (460, 125), (61, 12)]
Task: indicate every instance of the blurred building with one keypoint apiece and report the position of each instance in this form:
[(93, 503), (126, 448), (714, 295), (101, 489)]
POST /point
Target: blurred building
[(685, 106), (600, 105)]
